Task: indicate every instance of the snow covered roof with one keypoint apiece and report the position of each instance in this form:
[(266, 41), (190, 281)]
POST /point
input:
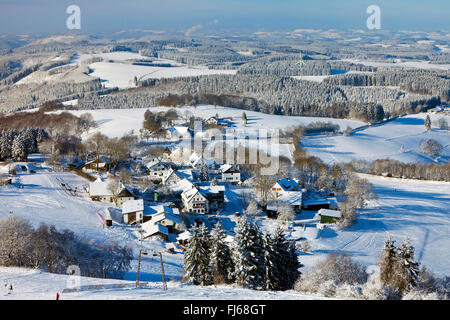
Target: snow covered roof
[(166, 216), (100, 159), (197, 160), (288, 184), (225, 167), (100, 188), (185, 174), (211, 189), (184, 235), (149, 228), (310, 202), (184, 184), (179, 130), (330, 213), (132, 206), (188, 194), (155, 162)]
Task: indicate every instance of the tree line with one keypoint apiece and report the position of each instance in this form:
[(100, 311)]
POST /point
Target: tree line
[(52, 250), (398, 169)]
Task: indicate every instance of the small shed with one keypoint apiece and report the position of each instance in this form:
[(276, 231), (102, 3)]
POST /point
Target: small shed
[(329, 216), (184, 237)]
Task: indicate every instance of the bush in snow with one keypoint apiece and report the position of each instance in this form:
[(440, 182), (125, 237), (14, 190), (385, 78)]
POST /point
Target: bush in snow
[(421, 295), (285, 213), (327, 275), (48, 249), (375, 290)]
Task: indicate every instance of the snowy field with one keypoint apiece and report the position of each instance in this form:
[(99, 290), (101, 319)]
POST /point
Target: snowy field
[(400, 63), (42, 199), (417, 209), (117, 122), (382, 142), (37, 285), (115, 72)]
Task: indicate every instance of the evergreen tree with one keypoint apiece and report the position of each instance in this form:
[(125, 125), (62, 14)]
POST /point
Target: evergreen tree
[(248, 255), (272, 277), (388, 263), (281, 262), (196, 258), (428, 123), (221, 263), (409, 268), (19, 149)]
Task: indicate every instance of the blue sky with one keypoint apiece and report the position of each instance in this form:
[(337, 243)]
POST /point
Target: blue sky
[(49, 16)]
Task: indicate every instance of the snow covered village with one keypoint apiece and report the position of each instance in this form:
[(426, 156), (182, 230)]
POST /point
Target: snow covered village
[(304, 164)]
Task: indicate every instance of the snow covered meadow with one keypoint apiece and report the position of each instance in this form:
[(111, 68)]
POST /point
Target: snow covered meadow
[(115, 72), (382, 142)]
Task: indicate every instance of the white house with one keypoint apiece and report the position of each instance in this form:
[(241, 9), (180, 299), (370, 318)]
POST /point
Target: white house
[(171, 178), (136, 211), (230, 173), (197, 161), (179, 132), (284, 185), (194, 201), (157, 169), (100, 190)]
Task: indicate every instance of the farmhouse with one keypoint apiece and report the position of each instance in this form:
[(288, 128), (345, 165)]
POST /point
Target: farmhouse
[(100, 164), (217, 122), (283, 186), (100, 190), (171, 221), (329, 216), (171, 178), (194, 201), (179, 132), (137, 211), (157, 169), (230, 173), (214, 195), (293, 198)]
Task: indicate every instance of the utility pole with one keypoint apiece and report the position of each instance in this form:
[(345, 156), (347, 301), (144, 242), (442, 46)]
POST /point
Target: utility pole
[(162, 269), (140, 254), (138, 268)]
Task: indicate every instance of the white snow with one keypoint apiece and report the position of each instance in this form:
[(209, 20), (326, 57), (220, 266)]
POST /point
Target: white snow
[(381, 142), (407, 64), (405, 208), (117, 122), (116, 73), (38, 285)]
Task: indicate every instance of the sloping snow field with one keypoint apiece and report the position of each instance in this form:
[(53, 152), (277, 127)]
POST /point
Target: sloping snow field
[(405, 208), (116, 73), (117, 122), (382, 142), (37, 285)]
